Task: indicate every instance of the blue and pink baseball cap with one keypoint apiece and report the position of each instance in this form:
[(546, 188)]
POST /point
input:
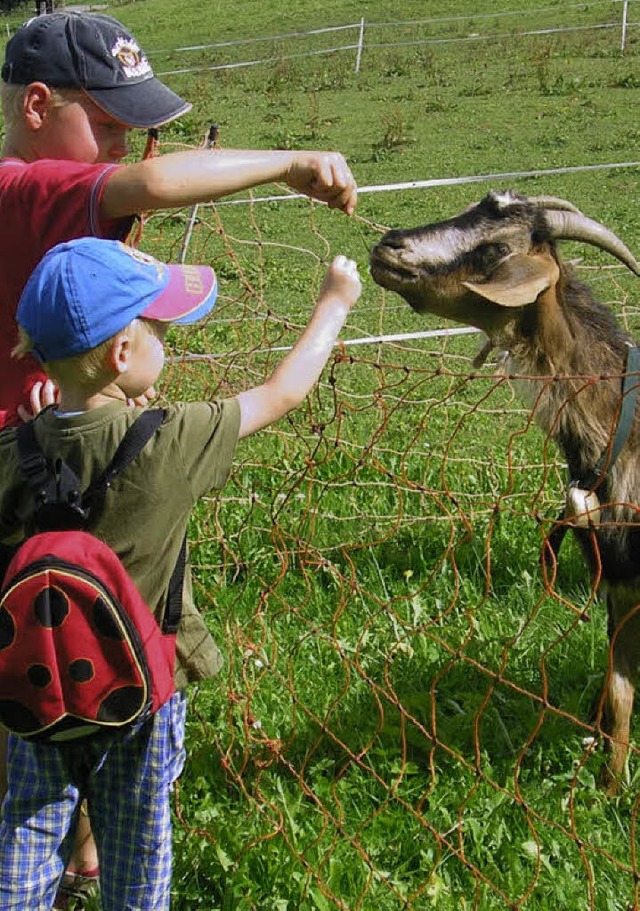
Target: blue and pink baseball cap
[(85, 291)]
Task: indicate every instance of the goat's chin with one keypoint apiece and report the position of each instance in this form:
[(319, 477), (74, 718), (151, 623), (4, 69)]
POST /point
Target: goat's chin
[(392, 276), (401, 282), (420, 304)]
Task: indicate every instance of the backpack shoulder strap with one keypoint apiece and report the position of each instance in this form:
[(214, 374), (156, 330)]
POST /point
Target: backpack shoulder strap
[(32, 460), (131, 445), (55, 486), (173, 604), (52, 481), (36, 467)]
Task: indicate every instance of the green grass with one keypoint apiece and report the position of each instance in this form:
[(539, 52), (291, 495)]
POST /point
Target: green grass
[(402, 715)]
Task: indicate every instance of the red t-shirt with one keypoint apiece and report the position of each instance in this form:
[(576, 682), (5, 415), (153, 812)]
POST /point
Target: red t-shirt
[(42, 203)]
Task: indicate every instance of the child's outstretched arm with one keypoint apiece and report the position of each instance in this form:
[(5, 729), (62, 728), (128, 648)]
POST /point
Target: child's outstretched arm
[(297, 373), (195, 176)]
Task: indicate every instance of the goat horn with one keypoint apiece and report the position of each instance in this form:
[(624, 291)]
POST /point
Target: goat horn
[(553, 202), (575, 226)]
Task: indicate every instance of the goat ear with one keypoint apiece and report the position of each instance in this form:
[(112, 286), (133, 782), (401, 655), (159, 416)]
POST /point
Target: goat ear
[(519, 280)]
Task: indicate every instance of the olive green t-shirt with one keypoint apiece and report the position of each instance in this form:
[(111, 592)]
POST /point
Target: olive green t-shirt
[(147, 507)]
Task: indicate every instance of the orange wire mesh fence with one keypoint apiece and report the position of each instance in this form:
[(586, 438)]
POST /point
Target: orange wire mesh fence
[(408, 715)]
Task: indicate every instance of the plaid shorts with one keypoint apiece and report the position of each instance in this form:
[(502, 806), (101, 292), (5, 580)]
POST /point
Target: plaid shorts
[(127, 781)]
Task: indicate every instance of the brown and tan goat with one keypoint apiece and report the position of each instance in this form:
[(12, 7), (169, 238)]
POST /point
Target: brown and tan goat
[(495, 266)]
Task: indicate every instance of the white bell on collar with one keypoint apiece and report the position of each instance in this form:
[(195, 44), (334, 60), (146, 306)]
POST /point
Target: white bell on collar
[(583, 507)]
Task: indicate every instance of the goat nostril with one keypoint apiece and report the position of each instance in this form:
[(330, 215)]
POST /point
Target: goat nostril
[(393, 239)]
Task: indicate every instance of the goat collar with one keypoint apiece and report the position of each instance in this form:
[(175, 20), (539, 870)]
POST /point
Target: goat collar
[(630, 385), (593, 479)]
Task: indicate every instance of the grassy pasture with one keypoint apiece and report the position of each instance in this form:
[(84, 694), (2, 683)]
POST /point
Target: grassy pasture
[(401, 720)]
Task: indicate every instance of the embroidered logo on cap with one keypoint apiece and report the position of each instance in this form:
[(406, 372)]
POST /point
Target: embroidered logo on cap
[(193, 283), (133, 61), (144, 258)]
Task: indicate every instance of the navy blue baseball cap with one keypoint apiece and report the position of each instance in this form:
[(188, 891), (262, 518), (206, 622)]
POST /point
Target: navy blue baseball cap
[(96, 54), (85, 291)]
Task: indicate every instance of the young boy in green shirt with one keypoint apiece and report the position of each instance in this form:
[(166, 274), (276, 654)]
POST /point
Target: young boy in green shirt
[(95, 313)]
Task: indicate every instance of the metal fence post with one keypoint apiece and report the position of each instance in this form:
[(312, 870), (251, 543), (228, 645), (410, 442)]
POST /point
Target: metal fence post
[(360, 45), (625, 17), (209, 142)]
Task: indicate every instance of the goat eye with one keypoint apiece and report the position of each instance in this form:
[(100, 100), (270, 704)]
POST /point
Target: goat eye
[(488, 255)]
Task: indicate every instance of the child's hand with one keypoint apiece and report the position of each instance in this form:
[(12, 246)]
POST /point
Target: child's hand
[(41, 395), (142, 400), (325, 176), (342, 281), (295, 376)]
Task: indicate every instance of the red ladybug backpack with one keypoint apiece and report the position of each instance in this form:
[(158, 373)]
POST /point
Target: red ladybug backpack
[(80, 650)]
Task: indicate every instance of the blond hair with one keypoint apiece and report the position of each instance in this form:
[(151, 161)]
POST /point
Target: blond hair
[(83, 369), (12, 98), (89, 368)]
